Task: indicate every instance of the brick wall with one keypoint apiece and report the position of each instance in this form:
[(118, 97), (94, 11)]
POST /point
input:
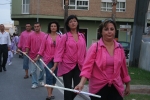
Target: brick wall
[(55, 8)]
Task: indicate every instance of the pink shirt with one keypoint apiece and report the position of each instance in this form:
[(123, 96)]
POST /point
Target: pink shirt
[(95, 67), (109, 65), (23, 39), (33, 43), (48, 48), (70, 53)]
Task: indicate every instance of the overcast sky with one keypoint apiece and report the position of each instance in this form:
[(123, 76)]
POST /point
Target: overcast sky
[(5, 14)]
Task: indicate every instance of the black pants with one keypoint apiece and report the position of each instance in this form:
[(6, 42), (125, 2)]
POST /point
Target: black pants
[(4, 53), (67, 78), (108, 93)]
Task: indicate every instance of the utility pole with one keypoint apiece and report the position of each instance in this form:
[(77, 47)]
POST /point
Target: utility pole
[(66, 13), (113, 16), (37, 10), (138, 30)]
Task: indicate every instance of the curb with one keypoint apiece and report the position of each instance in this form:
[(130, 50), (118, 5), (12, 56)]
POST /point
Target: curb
[(81, 95)]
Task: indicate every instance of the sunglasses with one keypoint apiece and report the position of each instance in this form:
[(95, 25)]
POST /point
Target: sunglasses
[(107, 20)]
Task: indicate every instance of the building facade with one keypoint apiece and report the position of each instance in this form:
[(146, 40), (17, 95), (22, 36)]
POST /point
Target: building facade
[(89, 12)]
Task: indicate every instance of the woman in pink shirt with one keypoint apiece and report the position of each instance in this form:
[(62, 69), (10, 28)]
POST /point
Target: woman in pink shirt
[(47, 51), (105, 66), (70, 55)]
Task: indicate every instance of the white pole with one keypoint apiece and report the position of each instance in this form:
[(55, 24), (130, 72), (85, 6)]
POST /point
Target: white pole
[(31, 60), (51, 72), (72, 90)]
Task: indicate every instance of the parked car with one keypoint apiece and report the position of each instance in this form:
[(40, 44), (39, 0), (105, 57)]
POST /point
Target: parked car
[(126, 46)]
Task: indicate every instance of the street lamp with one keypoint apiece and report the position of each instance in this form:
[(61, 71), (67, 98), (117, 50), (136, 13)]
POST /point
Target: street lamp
[(114, 3)]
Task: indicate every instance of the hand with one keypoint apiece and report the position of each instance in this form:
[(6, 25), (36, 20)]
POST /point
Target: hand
[(79, 87), (127, 90), (53, 69), (18, 50), (35, 59)]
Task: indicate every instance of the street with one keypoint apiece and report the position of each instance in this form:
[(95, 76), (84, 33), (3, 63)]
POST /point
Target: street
[(14, 87)]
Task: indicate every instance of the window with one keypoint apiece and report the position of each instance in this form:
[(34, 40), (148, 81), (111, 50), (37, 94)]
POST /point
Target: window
[(78, 4), (106, 5), (25, 6), (120, 7)]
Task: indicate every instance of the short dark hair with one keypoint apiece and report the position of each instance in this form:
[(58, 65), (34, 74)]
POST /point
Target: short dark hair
[(67, 22), (37, 23), (53, 22), (104, 24), (28, 23)]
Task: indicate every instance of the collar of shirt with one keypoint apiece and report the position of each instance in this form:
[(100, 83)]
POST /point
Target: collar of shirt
[(70, 34), (101, 43)]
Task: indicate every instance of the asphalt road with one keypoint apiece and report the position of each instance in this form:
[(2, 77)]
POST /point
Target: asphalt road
[(14, 87)]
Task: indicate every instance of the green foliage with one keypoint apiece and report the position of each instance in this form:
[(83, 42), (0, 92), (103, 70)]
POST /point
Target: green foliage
[(137, 97), (139, 76)]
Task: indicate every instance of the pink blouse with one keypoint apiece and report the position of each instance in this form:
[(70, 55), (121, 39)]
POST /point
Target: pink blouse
[(48, 48), (95, 68), (33, 43), (23, 39), (70, 53), (109, 65)]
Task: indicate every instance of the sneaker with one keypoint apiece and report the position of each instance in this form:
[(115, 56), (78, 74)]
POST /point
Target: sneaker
[(41, 83), (34, 86), (9, 63)]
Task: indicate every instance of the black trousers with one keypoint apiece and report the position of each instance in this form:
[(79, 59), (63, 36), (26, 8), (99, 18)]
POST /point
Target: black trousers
[(108, 93), (67, 78), (3, 55)]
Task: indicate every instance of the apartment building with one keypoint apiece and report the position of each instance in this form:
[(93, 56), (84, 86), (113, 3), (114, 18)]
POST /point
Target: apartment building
[(89, 12)]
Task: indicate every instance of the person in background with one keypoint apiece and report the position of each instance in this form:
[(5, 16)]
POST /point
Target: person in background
[(14, 43), (5, 42), (47, 51), (21, 45), (105, 66), (32, 47), (70, 55), (10, 56)]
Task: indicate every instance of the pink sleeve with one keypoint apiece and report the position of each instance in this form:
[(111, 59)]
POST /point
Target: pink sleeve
[(60, 49), (89, 61), (42, 48), (20, 42), (124, 70), (28, 42)]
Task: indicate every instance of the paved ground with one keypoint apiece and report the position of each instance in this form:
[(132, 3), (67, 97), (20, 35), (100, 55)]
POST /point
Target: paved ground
[(14, 87)]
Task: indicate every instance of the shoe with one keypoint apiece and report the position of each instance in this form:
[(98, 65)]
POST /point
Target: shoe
[(50, 98), (0, 69), (41, 83), (4, 68), (26, 76), (34, 86), (9, 63)]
